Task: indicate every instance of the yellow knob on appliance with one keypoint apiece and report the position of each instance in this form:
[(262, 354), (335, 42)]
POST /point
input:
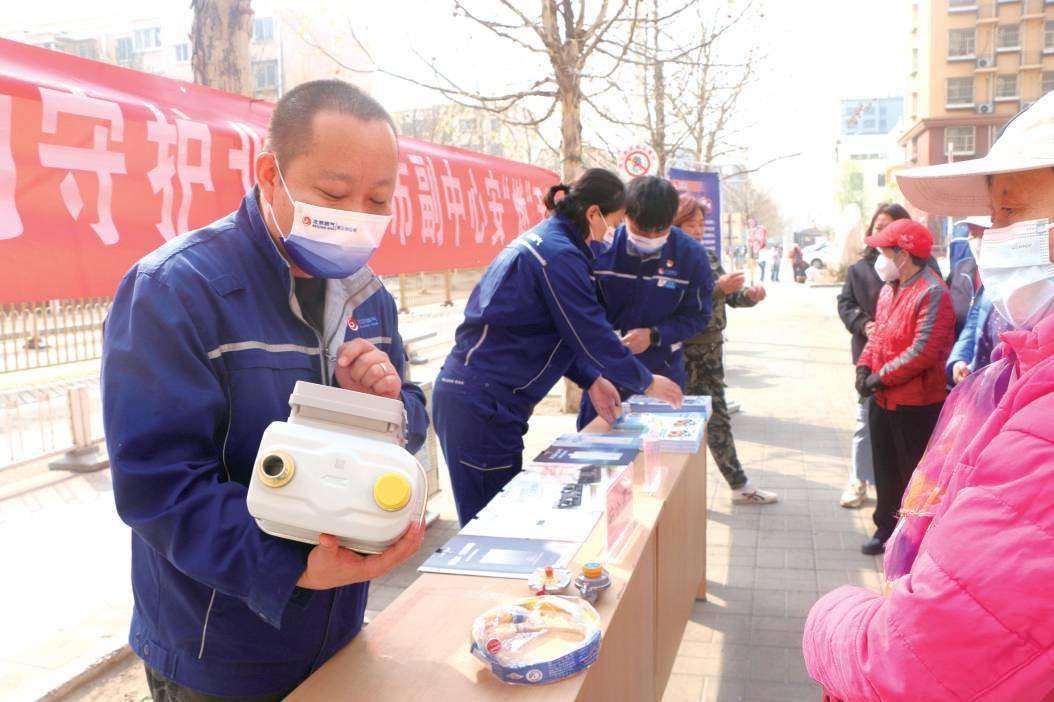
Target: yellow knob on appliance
[(391, 492)]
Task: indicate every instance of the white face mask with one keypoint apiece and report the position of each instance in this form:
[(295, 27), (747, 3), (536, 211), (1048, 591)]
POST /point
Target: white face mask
[(645, 245), (329, 243), (886, 268), (1017, 273)]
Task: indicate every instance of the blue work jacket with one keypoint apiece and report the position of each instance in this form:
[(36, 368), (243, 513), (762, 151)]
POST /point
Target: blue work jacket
[(670, 290), (201, 351), (535, 317)]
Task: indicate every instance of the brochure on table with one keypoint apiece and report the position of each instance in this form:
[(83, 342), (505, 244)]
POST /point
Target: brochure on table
[(543, 516), (548, 510)]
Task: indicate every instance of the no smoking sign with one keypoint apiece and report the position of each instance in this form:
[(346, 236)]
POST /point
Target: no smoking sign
[(639, 160)]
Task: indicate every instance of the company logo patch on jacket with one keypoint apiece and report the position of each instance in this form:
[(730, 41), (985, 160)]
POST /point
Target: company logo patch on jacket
[(363, 323)]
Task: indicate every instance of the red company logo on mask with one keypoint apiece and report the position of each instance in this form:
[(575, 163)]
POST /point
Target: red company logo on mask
[(307, 221), (352, 324)]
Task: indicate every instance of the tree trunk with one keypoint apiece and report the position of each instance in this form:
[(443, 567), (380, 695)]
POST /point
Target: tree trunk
[(571, 131), (220, 38), (659, 135)]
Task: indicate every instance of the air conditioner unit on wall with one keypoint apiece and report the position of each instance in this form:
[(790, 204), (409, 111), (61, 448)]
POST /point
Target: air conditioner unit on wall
[(985, 62), (985, 108)]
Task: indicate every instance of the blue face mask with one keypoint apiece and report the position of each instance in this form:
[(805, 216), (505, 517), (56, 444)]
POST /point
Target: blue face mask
[(325, 242)]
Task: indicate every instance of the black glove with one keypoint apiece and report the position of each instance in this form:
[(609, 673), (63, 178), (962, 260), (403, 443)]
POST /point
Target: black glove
[(862, 374)]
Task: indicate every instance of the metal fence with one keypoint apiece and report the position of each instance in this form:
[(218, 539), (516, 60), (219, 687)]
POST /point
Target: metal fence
[(35, 422), (41, 334)]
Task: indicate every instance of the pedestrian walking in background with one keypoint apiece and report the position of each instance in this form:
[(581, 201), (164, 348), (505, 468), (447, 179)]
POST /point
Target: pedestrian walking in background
[(763, 262), (704, 359), (798, 266), (856, 308), (777, 262), (902, 364)]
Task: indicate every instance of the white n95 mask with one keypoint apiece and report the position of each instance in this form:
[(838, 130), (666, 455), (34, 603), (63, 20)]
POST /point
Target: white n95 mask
[(337, 467), (1015, 268), (886, 268), (645, 245), (326, 242)]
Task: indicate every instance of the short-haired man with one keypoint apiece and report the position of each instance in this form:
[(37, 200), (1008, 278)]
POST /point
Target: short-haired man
[(902, 364), (206, 339)]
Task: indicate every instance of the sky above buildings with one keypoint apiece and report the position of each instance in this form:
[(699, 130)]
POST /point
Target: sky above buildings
[(818, 52)]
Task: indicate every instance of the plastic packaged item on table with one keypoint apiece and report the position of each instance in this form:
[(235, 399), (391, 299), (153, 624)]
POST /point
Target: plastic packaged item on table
[(537, 640), (549, 580), (592, 582), (337, 466)]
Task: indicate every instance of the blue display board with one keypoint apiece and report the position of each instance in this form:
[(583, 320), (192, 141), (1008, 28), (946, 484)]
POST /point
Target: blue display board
[(706, 187)]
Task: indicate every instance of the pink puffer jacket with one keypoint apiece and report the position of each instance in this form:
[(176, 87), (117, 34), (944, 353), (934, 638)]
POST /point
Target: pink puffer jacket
[(969, 613)]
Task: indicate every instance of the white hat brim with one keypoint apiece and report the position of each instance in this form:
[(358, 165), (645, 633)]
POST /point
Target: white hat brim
[(960, 189)]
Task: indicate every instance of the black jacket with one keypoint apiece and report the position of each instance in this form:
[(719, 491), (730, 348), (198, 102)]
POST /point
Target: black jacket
[(859, 298)]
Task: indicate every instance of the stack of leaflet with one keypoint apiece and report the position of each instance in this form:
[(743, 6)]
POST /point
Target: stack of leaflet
[(676, 432), (544, 514), (638, 404)]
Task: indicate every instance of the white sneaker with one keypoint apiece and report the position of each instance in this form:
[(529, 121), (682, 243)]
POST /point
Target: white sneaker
[(751, 495), (854, 495)]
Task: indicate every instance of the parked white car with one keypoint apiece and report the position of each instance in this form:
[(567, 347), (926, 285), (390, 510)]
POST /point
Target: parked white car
[(818, 255)]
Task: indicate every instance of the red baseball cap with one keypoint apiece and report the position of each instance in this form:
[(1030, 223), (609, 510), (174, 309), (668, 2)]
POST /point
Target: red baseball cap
[(908, 234)]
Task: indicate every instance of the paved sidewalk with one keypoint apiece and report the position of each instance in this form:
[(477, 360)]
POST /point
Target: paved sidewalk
[(788, 364), (789, 367)]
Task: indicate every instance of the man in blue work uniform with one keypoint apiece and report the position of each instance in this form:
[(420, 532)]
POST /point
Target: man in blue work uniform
[(206, 339), (531, 320), (655, 282)]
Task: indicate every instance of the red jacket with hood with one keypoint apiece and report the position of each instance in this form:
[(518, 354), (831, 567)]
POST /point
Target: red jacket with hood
[(914, 333)]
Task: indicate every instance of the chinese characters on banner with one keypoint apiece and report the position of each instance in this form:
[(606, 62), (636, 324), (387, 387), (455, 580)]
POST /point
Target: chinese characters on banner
[(99, 165), (707, 188)]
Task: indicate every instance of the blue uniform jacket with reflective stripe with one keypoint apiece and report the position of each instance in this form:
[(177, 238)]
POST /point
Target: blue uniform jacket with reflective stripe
[(534, 314), (670, 290), (201, 351)]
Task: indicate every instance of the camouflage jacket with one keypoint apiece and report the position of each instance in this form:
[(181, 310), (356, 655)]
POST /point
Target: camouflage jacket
[(718, 320)]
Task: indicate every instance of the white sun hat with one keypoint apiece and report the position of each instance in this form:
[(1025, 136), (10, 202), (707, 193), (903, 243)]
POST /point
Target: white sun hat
[(961, 189), (982, 222)]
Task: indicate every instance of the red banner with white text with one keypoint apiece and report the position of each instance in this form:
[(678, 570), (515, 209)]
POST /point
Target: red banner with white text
[(100, 165)]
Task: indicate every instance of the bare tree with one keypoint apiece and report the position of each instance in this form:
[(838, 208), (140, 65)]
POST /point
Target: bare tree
[(567, 36), (746, 197), (677, 86), (220, 38)]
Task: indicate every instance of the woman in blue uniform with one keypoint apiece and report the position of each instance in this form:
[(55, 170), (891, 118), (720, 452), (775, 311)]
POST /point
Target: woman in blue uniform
[(656, 284), (531, 320)]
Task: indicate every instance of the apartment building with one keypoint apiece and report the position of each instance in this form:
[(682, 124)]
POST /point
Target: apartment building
[(974, 65)]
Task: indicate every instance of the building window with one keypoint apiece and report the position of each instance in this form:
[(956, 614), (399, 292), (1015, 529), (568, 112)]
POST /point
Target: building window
[(265, 75), (962, 3), (263, 29), (1048, 81), (1009, 37), (1006, 87), (1048, 36), (961, 140), (146, 39), (960, 43), (125, 49), (960, 91), (182, 52), (85, 49)]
